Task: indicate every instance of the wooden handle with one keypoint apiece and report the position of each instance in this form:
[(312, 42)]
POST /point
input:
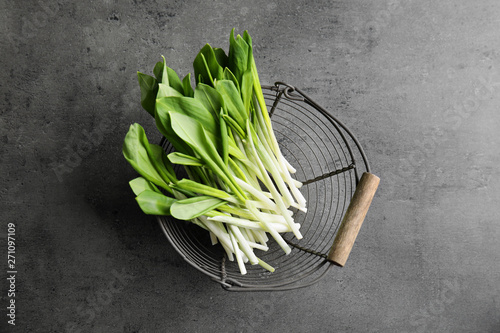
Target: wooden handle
[(353, 219)]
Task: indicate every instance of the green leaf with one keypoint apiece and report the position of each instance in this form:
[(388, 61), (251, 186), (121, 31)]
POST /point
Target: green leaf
[(183, 159), (140, 184), (149, 90), (237, 56), (201, 70), (247, 38), (258, 89), (158, 70), (210, 98), (206, 64), (168, 165), (171, 78), (234, 125), (163, 124), (224, 138), (186, 84), (135, 151), (165, 90), (247, 89), (190, 107), (191, 208), (161, 163), (154, 203), (228, 75), (221, 56), (164, 73), (193, 133), (174, 81), (233, 105), (195, 187), (199, 79)]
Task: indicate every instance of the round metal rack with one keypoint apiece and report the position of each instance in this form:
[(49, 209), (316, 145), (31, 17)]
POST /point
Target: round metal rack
[(329, 161)]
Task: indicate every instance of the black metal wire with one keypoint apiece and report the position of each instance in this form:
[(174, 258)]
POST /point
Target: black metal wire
[(324, 152)]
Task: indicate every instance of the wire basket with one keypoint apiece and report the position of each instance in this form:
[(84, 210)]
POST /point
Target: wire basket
[(329, 161)]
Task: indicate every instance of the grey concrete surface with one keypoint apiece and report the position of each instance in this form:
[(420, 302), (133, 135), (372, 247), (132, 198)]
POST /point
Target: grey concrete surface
[(417, 81)]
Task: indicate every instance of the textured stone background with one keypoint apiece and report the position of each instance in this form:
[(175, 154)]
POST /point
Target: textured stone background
[(417, 81)]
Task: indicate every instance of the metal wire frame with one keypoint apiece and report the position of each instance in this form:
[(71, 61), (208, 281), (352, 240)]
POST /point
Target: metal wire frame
[(325, 153)]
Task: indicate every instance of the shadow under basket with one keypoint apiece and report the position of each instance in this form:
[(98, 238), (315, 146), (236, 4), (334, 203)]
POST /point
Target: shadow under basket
[(337, 185)]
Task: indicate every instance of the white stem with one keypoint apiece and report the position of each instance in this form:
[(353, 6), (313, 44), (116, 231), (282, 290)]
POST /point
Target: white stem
[(277, 197), (247, 250), (259, 195), (258, 246), (237, 254), (281, 242), (253, 225), (213, 238)]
